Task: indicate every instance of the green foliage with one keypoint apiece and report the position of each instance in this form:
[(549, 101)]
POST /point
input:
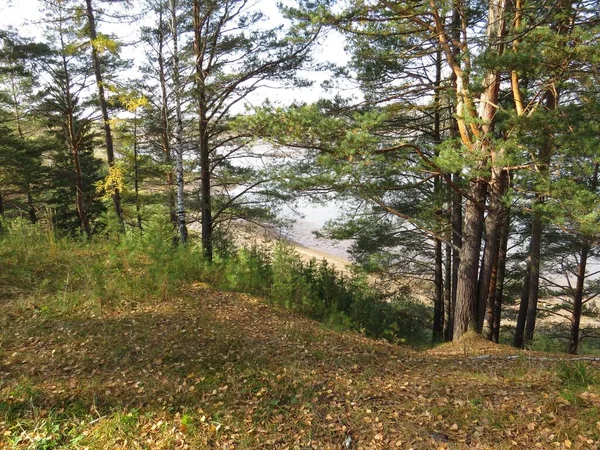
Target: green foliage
[(577, 375), (317, 290), (63, 276)]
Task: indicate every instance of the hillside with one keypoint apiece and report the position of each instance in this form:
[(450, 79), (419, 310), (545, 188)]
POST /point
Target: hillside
[(221, 370)]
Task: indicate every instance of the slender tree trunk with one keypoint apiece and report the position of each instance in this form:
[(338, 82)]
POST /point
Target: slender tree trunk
[(522, 315), (110, 152), (178, 88), (534, 279), (205, 192), (457, 233), (164, 111), (578, 299), (581, 276), (438, 310), (499, 293), (136, 186), (457, 216), (72, 143), (543, 166), (551, 100), (448, 293)]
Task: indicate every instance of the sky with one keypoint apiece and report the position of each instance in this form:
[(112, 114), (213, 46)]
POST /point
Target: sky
[(24, 15)]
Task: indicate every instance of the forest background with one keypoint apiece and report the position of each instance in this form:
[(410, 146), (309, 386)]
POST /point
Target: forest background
[(460, 140)]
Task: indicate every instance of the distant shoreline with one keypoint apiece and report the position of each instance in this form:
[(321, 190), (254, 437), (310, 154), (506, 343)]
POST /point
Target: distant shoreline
[(247, 232)]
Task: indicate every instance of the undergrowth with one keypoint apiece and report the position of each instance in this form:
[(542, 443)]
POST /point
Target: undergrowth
[(55, 274)]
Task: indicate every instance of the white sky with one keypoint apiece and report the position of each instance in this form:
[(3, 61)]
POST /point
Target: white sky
[(24, 15)]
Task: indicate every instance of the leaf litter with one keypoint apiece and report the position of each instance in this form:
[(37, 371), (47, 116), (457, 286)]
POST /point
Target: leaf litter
[(221, 370)]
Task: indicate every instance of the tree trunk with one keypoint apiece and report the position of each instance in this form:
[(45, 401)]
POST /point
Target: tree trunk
[(136, 186), (457, 233), (457, 212), (499, 294), (478, 141), (438, 309), (494, 226), (551, 100), (522, 315), (448, 294), (578, 299), (205, 193), (110, 153), (534, 279), (465, 314), (72, 144), (543, 166), (181, 219), (164, 111), (581, 275)]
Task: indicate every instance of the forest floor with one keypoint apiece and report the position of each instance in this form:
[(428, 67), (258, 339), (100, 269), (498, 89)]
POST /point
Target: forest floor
[(222, 370)]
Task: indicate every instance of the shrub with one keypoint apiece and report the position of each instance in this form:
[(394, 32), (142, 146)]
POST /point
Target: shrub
[(115, 271)]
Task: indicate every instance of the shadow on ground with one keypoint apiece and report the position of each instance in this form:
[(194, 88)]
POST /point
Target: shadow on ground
[(222, 370)]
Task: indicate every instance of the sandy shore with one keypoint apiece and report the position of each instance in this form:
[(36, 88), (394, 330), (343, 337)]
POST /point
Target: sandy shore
[(248, 233)]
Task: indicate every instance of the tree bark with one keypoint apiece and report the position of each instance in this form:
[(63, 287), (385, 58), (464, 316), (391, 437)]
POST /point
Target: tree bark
[(581, 276), (457, 240), (448, 293), (110, 152), (465, 314), (578, 299), (164, 110), (205, 192), (522, 315), (177, 85), (494, 226), (438, 310), (136, 186), (534, 279), (499, 293), (543, 166)]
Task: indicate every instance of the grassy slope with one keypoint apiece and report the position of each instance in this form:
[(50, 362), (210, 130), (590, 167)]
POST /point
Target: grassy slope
[(221, 370)]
